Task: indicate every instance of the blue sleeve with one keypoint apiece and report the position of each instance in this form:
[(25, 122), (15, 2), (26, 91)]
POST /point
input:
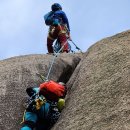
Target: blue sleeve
[(65, 20)]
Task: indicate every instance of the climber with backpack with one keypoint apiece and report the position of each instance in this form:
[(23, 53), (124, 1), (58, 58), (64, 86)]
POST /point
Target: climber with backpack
[(44, 105), (58, 28)]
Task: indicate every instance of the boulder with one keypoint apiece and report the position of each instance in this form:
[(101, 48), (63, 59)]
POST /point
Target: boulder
[(99, 89), (19, 73)]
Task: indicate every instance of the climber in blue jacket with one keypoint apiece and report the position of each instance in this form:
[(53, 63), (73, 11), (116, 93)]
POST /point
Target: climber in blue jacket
[(59, 27), (44, 105)]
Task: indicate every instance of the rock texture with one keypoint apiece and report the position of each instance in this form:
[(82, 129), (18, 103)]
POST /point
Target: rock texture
[(18, 73), (99, 89)]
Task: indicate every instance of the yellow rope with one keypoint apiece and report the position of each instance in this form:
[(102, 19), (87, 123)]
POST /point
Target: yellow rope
[(23, 119)]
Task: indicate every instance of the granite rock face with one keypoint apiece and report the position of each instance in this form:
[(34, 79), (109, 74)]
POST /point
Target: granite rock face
[(19, 73), (98, 95), (99, 89)]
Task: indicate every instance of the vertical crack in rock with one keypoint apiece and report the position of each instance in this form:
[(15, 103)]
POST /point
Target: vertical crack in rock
[(18, 73)]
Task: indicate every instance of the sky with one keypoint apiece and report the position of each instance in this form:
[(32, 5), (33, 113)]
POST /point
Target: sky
[(23, 31)]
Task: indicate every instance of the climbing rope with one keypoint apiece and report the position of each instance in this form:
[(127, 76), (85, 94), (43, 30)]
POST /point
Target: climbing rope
[(50, 68), (76, 46), (56, 54)]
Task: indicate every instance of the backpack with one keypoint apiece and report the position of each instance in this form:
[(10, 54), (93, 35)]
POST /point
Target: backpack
[(52, 90), (49, 17)]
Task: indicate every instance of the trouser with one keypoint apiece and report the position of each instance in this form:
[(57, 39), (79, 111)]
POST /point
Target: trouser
[(31, 118), (58, 32)]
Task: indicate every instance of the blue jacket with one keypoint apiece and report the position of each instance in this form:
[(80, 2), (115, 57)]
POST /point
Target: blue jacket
[(60, 15)]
